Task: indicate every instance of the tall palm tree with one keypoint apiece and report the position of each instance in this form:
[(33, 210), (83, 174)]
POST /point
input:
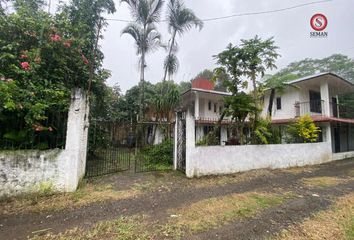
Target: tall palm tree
[(180, 19), (147, 39)]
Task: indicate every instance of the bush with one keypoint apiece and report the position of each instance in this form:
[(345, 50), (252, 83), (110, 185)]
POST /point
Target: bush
[(303, 130), (159, 154)]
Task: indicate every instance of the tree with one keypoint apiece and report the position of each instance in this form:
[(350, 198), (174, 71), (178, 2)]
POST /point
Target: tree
[(42, 58), (145, 13), (180, 20), (259, 56), (239, 104), (219, 81)]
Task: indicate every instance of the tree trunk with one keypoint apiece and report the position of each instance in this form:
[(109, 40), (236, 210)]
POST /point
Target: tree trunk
[(271, 100), (173, 39)]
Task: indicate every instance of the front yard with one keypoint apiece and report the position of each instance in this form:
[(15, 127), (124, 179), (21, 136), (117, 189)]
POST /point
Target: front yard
[(301, 203)]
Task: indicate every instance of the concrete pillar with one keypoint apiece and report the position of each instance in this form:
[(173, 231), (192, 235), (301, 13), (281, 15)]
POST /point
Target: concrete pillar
[(175, 142), (223, 135), (76, 138), (196, 106), (327, 134), (190, 142), (326, 111)]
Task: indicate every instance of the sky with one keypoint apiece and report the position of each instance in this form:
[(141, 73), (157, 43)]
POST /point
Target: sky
[(290, 29)]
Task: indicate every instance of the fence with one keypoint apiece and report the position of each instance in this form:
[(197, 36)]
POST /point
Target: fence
[(47, 134)]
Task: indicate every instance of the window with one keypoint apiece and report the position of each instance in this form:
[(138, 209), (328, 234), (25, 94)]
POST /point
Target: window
[(215, 107), (278, 103), (220, 109), (209, 105)]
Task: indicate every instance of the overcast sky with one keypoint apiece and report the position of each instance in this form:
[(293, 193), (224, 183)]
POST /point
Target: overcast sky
[(291, 31)]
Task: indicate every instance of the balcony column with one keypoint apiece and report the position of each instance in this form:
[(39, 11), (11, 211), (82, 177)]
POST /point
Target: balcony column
[(325, 97), (196, 106)]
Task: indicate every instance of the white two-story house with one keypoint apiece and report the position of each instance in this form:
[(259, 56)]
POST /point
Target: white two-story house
[(208, 105), (316, 96)]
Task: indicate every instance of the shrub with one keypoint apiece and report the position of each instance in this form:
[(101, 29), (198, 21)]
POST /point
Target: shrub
[(160, 154), (303, 130)]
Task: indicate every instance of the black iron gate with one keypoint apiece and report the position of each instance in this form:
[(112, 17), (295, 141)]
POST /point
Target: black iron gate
[(116, 147), (154, 147), (181, 141), (110, 148)]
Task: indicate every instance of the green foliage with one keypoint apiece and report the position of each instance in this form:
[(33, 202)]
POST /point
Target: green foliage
[(180, 20), (303, 130), (263, 131), (211, 139), (42, 58), (160, 154)]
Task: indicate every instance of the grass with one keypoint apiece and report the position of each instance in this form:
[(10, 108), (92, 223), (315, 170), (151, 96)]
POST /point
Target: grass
[(124, 228), (200, 216), (322, 181), (86, 194), (335, 223), (213, 212)]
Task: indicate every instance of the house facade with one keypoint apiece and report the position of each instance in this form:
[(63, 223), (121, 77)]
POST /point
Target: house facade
[(208, 105), (316, 96)]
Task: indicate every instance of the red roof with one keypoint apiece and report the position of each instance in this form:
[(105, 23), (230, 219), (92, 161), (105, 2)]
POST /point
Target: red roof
[(203, 83)]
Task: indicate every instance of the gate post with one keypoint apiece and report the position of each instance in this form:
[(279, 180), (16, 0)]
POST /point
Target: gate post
[(175, 145), (190, 142), (76, 139)]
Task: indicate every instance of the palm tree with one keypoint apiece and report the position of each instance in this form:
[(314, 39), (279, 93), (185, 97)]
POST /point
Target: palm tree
[(147, 39), (180, 19)]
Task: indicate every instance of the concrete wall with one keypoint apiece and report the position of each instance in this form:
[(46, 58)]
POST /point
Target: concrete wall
[(26, 171), (214, 160)]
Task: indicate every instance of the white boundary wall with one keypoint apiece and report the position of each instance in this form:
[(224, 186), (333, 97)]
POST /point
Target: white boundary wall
[(230, 159), (25, 171), (217, 160)]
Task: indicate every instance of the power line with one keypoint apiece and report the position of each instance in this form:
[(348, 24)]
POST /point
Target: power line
[(239, 14)]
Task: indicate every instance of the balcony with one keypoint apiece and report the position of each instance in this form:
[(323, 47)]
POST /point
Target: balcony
[(311, 108), (317, 108)]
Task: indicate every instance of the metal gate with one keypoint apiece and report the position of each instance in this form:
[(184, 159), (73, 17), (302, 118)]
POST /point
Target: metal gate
[(110, 148), (181, 141), (154, 150)]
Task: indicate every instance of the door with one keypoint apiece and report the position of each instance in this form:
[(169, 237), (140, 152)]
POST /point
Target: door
[(334, 107), (336, 139), (315, 102)]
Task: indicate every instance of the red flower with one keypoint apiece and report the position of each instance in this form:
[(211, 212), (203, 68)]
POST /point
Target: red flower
[(23, 56), (68, 43), (26, 66), (55, 37), (86, 61)]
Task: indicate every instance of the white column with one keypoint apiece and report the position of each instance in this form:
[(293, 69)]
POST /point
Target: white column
[(76, 139), (223, 135), (175, 142), (190, 142), (325, 96), (327, 134), (196, 106)]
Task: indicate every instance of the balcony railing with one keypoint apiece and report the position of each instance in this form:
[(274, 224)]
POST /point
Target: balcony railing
[(315, 107)]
